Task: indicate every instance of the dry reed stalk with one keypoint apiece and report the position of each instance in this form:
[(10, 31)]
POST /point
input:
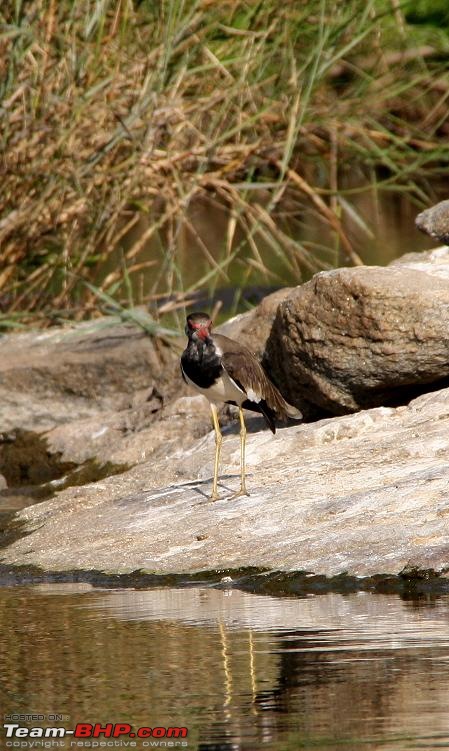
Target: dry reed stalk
[(115, 111)]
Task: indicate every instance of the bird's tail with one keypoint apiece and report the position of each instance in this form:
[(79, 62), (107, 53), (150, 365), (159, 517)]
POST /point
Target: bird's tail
[(277, 403), (292, 411), (282, 410)]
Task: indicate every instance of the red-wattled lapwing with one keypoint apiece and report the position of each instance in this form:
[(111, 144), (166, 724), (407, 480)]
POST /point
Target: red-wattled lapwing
[(225, 371)]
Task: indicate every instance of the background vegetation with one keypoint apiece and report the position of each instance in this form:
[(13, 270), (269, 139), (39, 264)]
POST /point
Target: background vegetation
[(126, 126)]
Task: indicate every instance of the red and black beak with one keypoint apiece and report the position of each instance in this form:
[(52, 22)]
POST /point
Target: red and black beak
[(202, 332), (198, 326)]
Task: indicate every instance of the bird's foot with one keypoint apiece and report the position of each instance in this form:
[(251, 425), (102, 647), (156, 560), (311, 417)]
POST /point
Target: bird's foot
[(215, 497), (242, 491)]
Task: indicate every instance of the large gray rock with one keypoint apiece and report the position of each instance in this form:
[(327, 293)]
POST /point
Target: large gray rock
[(364, 494), (434, 262), (58, 375), (435, 221), (254, 327), (360, 337)]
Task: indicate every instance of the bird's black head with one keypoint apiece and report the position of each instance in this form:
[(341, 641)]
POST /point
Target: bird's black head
[(198, 326)]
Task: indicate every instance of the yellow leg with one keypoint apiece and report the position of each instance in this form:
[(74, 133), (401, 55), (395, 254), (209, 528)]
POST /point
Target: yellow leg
[(218, 442), (225, 651), (252, 671), (243, 490)]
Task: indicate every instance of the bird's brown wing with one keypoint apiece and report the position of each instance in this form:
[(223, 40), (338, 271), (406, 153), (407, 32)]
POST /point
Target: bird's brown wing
[(247, 372)]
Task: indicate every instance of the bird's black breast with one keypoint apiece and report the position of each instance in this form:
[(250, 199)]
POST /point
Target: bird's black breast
[(201, 364)]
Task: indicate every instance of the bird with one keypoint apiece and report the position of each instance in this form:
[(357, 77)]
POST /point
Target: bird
[(223, 370)]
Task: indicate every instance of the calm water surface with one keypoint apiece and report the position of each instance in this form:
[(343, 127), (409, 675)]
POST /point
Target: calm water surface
[(240, 671)]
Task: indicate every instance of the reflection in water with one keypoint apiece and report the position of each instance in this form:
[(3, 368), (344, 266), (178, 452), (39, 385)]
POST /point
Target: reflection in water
[(240, 671)]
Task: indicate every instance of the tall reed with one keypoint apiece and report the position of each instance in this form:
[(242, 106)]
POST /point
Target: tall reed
[(120, 118)]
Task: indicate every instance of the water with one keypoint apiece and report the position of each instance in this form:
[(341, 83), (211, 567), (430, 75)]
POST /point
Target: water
[(240, 671), (381, 227)]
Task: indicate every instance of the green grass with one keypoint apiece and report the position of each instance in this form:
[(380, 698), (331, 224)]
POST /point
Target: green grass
[(120, 119)]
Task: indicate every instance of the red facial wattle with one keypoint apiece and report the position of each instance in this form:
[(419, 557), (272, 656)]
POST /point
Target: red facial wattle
[(201, 329), (203, 332)]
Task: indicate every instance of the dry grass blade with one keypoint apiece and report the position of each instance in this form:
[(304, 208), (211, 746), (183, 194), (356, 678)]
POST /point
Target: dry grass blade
[(120, 119), (327, 212)]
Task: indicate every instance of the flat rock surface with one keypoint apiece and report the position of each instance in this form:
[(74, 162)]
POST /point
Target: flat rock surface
[(364, 494)]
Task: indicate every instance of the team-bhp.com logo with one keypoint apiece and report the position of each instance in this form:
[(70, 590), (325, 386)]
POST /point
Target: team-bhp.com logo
[(94, 735)]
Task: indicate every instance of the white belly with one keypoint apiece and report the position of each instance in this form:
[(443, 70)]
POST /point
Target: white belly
[(223, 390)]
